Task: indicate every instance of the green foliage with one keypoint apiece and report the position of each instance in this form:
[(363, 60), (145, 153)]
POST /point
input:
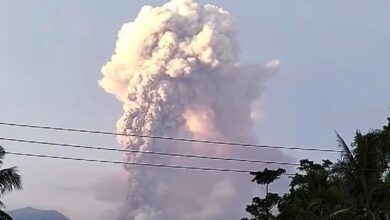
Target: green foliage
[(386, 128), (315, 193), (363, 171), (356, 187), (261, 208), (267, 176), (10, 180), (4, 216)]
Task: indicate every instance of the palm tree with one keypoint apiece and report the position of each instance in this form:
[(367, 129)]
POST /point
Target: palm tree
[(9, 180), (363, 170)]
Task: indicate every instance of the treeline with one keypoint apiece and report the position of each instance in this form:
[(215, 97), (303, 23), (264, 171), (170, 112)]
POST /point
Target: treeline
[(357, 186)]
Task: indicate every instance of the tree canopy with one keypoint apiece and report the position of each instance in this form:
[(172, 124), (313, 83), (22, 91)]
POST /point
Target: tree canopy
[(357, 186)]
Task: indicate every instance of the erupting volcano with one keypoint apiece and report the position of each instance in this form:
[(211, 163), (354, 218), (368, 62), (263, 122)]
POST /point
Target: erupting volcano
[(176, 70)]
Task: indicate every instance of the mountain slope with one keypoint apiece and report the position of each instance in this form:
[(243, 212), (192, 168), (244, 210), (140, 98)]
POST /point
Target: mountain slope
[(29, 213)]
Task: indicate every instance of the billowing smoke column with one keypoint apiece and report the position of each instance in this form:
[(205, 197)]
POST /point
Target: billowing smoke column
[(175, 69)]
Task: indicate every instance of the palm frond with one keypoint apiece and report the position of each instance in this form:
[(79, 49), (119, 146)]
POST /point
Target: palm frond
[(10, 180), (2, 154), (307, 215), (345, 213), (5, 216), (346, 151), (2, 205)]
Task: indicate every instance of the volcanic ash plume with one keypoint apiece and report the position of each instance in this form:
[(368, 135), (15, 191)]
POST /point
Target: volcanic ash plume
[(175, 69)]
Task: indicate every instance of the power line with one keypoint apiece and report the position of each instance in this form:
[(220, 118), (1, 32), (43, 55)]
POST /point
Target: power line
[(148, 152), (168, 138), (141, 164), (131, 163)]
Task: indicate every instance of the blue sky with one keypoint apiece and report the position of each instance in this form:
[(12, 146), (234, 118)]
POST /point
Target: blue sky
[(334, 76)]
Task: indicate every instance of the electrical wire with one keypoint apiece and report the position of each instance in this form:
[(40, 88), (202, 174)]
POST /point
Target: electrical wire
[(130, 163), (147, 152), (169, 138)]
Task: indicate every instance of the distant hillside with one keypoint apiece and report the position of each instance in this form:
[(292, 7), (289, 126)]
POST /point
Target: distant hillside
[(36, 214)]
